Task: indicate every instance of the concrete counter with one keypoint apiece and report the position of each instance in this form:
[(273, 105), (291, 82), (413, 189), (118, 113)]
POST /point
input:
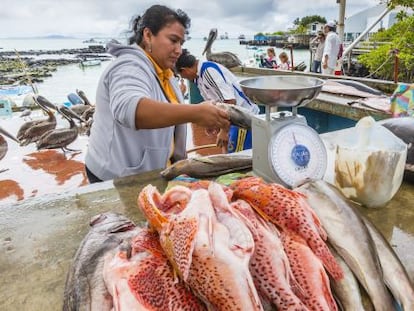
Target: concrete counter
[(39, 237)]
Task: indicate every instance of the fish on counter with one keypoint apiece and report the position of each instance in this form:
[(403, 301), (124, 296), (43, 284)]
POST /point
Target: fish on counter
[(208, 166), (403, 128), (395, 276), (85, 288), (349, 236), (200, 249), (289, 211), (141, 278)]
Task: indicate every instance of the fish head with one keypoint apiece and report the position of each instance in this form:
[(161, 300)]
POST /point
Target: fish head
[(149, 202), (111, 223)]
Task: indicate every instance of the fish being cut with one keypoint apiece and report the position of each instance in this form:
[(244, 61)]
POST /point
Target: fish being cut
[(289, 211), (141, 278), (208, 166), (349, 236), (199, 248), (85, 288)]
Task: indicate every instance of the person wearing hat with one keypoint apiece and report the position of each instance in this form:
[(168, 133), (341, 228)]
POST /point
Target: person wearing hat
[(331, 48), (317, 45)]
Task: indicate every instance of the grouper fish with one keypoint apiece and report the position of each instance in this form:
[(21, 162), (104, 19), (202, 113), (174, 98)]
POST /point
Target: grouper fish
[(85, 288), (208, 166), (349, 236)]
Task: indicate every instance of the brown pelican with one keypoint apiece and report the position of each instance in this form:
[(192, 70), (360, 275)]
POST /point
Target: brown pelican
[(34, 132), (80, 109), (227, 59), (3, 142), (60, 137), (28, 124)]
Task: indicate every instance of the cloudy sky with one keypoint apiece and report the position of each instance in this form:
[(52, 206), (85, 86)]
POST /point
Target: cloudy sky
[(107, 18)]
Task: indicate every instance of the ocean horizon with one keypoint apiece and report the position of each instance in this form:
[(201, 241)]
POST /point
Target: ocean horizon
[(66, 79)]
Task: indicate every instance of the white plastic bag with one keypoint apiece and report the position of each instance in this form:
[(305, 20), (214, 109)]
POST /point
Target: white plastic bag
[(369, 163)]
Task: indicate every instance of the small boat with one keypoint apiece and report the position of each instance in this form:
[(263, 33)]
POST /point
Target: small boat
[(90, 62), (6, 107), (242, 37), (15, 90)]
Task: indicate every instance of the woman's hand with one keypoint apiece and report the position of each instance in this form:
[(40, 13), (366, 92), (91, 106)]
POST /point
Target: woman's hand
[(210, 116)]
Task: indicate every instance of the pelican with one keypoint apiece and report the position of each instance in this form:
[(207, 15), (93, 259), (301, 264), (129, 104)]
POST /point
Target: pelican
[(81, 108), (29, 124), (227, 59), (61, 137), (35, 131), (3, 142)]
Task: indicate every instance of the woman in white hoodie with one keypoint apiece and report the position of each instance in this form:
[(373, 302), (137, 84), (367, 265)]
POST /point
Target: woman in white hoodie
[(139, 122)]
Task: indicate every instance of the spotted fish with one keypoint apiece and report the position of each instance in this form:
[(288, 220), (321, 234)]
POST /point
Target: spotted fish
[(141, 278), (290, 212), (200, 250), (270, 265)]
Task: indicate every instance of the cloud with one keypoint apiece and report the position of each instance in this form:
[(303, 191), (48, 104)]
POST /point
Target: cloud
[(109, 18)]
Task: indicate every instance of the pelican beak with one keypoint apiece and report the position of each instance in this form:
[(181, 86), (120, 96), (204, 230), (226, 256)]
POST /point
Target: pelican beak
[(211, 37)]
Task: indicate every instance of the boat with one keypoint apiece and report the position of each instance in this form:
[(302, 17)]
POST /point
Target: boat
[(16, 93), (15, 90), (242, 37), (6, 107), (90, 62)]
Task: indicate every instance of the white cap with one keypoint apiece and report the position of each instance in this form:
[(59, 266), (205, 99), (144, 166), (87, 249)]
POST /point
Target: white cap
[(331, 24)]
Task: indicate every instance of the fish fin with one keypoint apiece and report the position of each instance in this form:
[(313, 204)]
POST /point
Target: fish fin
[(179, 244)]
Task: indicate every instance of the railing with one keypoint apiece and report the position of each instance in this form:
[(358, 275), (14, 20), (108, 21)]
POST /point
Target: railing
[(364, 47)]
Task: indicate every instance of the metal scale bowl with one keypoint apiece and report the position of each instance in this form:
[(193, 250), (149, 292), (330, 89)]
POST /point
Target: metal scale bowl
[(285, 149)]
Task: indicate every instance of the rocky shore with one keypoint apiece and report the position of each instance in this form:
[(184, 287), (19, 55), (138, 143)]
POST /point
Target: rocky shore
[(35, 65)]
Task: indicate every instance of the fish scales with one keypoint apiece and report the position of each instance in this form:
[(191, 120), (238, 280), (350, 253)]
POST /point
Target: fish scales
[(85, 288), (308, 270), (289, 211), (350, 238), (269, 264), (208, 166), (215, 272), (145, 280)]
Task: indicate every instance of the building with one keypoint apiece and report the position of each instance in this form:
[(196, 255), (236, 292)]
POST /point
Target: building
[(357, 23)]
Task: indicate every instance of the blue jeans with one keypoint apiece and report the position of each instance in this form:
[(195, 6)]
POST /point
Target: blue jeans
[(316, 66)]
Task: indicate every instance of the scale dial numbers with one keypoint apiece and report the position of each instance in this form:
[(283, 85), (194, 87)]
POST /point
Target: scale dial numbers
[(296, 153)]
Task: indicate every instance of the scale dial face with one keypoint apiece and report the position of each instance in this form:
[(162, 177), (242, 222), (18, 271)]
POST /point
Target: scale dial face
[(296, 153)]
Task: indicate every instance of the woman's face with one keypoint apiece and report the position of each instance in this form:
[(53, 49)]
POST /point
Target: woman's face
[(166, 45)]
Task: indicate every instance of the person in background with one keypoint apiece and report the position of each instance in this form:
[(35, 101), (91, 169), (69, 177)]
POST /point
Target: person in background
[(217, 83), (270, 61), (139, 123), (317, 44), (331, 48), (284, 61)]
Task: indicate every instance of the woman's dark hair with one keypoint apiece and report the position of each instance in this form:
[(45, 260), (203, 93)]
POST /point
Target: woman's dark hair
[(185, 60), (155, 18)]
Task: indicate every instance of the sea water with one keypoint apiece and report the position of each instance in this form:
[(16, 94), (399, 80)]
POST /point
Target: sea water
[(68, 78)]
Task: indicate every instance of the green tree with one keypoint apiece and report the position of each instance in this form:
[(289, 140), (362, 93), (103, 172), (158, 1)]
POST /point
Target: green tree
[(381, 61)]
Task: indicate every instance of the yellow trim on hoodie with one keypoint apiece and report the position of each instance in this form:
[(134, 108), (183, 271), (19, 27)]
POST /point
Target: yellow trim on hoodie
[(164, 77)]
